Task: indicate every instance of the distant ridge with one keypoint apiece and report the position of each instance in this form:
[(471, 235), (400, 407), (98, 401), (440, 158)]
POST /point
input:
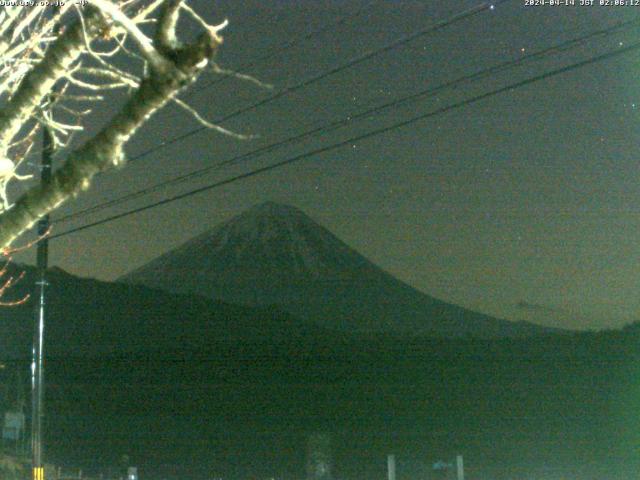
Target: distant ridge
[(275, 254)]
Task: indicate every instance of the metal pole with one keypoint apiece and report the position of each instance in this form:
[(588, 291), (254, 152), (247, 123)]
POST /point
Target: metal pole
[(391, 467), (459, 468), (37, 366)]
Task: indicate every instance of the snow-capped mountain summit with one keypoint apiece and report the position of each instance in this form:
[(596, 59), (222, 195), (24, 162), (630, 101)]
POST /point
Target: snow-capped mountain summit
[(275, 254)]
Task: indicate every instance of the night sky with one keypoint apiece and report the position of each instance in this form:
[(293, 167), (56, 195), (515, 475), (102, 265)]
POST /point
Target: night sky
[(524, 205)]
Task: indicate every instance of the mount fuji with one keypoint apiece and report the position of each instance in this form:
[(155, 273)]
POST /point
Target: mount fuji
[(274, 254)]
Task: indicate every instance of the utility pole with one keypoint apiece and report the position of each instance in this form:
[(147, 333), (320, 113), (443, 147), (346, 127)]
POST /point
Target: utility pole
[(37, 366)]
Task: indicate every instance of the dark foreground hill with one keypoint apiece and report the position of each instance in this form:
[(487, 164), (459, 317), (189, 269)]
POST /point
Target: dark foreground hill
[(94, 318), (274, 254), (192, 388)]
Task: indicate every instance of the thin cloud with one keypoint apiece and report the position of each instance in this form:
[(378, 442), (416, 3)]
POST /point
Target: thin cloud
[(538, 308)]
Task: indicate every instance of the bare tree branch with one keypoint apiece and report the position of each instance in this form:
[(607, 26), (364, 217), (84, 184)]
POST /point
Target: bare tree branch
[(78, 62), (40, 80), (155, 59), (106, 148)]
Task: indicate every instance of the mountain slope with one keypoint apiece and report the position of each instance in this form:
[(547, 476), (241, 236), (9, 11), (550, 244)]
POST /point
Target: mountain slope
[(94, 318), (275, 254)]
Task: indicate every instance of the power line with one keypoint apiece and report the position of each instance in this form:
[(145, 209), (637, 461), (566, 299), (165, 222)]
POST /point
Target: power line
[(316, 78), (288, 45), (357, 138), (282, 48), (256, 61), (563, 46), (367, 55)]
